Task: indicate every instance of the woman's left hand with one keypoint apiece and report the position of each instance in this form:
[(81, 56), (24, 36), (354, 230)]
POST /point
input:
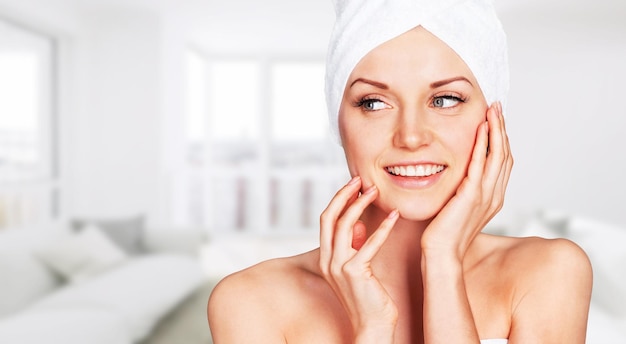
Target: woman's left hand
[(480, 195)]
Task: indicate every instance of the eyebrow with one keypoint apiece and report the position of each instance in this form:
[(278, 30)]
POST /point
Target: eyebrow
[(371, 82), (440, 83), (435, 84)]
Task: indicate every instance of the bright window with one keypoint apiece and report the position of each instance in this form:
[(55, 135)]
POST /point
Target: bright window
[(234, 100), (298, 106), (28, 177), (260, 130), (25, 108), (196, 101)]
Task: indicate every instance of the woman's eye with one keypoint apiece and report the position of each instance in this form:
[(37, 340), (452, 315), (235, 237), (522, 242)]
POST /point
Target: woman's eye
[(446, 101), (372, 104)]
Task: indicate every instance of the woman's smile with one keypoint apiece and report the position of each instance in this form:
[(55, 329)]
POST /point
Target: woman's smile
[(415, 175)]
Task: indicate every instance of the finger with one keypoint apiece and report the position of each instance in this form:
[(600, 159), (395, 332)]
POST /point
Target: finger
[(378, 238), (505, 137), (510, 160), (359, 235), (506, 149), (342, 244), (477, 162), (503, 179), (496, 157), (329, 216), (505, 171)]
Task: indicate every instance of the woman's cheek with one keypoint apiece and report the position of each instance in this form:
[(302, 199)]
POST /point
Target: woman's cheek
[(467, 143)]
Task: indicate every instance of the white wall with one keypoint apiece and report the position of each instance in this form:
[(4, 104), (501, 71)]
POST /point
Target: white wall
[(565, 119), (116, 130)]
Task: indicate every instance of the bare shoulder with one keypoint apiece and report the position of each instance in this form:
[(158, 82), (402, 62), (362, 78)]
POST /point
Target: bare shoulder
[(542, 258), (239, 305), (533, 255), (536, 262), (551, 281)]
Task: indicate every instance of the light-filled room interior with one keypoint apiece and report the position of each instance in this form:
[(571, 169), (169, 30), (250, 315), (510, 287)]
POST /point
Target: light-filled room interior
[(148, 148)]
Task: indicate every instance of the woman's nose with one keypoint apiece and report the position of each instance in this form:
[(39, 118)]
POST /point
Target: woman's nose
[(412, 130)]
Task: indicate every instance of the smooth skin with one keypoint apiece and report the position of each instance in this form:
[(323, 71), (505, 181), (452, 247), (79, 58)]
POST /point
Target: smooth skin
[(403, 259)]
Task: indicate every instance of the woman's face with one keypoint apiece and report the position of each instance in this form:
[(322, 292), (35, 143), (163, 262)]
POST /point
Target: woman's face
[(408, 122)]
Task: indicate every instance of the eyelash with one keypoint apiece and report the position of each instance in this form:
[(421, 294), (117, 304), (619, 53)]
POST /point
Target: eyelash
[(450, 96), (360, 103)]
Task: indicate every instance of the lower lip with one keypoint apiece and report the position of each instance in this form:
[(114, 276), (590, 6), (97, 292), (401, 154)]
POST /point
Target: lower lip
[(416, 182)]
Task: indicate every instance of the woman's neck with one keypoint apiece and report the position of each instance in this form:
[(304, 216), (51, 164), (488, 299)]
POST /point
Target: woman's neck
[(400, 256), (398, 267)]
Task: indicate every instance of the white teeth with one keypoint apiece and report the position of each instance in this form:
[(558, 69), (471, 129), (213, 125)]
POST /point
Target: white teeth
[(420, 171), (415, 170), (410, 170)]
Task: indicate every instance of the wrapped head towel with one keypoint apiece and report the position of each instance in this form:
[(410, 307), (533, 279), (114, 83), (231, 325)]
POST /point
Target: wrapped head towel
[(470, 27)]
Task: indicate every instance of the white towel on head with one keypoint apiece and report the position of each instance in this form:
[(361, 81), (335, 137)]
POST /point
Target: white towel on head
[(470, 27)]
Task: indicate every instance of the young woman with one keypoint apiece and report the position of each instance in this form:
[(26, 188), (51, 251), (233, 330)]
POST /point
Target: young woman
[(402, 258)]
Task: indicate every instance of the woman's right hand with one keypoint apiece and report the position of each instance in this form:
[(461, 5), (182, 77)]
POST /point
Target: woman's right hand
[(347, 267)]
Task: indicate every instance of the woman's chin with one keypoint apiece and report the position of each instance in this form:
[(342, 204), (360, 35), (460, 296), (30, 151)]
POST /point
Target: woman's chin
[(417, 216), (413, 212)]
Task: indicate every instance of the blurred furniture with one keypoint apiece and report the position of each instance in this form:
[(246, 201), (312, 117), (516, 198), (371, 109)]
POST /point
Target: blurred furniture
[(65, 286)]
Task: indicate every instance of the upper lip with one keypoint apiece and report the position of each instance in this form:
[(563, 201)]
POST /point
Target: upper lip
[(415, 169)]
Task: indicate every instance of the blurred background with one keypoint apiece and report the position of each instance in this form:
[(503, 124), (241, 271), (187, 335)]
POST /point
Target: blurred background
[(210, 115)]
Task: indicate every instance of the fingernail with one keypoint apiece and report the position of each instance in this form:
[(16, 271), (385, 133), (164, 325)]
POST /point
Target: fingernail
[(370, 190), (354, 180), (394, 213)]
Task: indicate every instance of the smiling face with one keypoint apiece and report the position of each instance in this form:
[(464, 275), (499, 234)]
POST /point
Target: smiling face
[(408, 122)]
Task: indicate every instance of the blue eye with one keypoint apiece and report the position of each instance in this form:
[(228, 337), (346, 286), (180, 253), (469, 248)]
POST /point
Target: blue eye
[(446, 101), (371, 104)]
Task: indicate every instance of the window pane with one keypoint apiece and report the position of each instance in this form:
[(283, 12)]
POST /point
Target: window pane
[(298, 103), (196, 97), (195, 107), (234, 101), (19, 120), (25, 105), (28, 190)]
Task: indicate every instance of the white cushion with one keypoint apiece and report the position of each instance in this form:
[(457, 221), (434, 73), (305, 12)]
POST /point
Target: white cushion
[(140, 291), (224, 255), (82, 254), (548, 224), (125, 232), (24, 278)]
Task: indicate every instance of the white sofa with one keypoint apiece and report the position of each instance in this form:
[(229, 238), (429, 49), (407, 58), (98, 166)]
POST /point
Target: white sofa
[(119, 302)]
